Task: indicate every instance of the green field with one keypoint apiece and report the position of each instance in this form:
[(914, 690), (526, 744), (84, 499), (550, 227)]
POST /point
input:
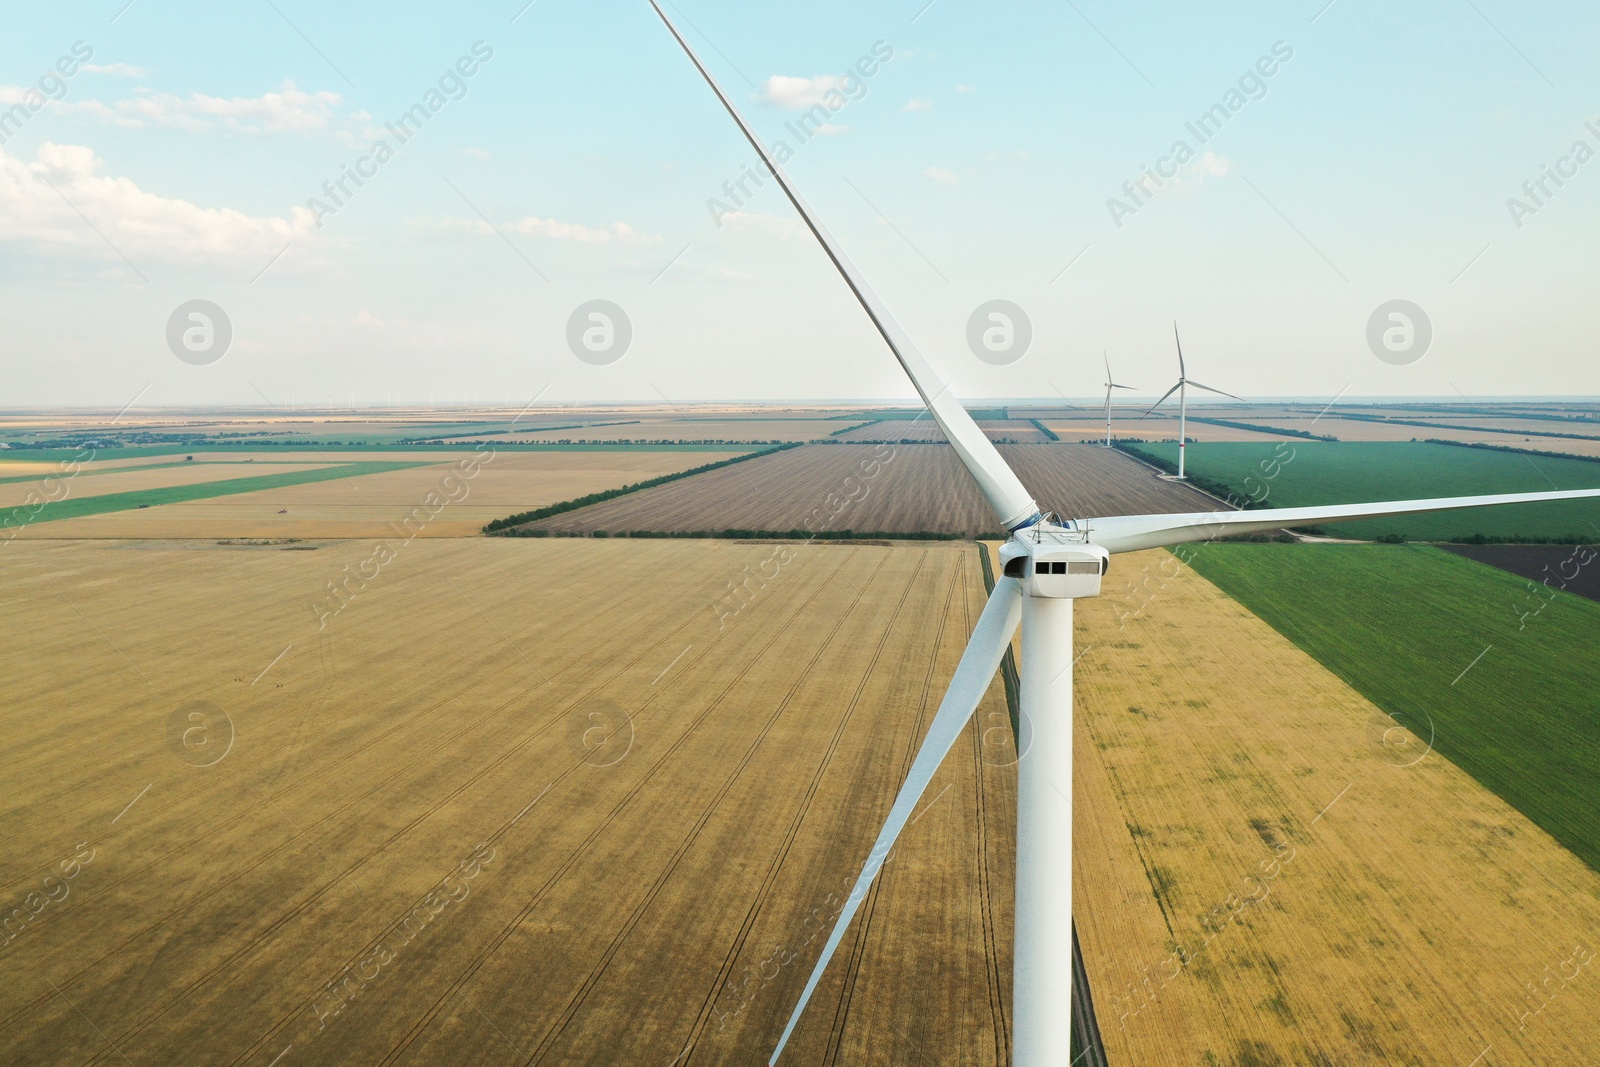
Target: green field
[(74, 507), (1400, 623), (1315, 472)]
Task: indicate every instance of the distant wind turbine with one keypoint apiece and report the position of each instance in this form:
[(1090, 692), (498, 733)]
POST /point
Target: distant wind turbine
[(1110, 385), (1182, 389)]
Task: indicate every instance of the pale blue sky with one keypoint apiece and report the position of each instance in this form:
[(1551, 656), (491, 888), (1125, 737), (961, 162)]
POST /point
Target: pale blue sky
[(1375, 165)]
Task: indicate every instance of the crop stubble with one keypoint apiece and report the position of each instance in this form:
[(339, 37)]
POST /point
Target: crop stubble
[(623, 912)]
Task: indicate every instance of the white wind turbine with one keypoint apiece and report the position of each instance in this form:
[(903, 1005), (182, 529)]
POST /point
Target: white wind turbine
[(1046, 564), (1182, 389), (1110, 385)]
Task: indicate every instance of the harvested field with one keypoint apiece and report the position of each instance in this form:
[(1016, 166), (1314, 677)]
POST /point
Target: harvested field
[(461, 824), (1504, 674), (903, 430), (696, 431), (11, 468), (1485, 421), (386, 505), (1573, 568), (1363, 430), (1087, 430), (916, 488), (1156, 429), (1403, 912), (895, 430)]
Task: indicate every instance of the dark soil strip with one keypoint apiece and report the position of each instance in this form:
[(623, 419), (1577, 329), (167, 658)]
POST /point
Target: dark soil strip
[(1575, 568)]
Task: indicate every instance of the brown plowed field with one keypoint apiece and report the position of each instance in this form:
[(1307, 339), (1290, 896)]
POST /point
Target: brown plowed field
[(917, 488), (1575, 568)]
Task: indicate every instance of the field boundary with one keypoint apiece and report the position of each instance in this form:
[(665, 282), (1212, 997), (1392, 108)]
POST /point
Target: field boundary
[(1527, 741), (1305, 435), (1514, 450), (1214, 490), (1087, 1047)]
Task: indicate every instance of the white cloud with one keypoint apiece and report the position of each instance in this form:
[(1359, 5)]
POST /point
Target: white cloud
[(1209, 164), (40, 204), (917, 105), (288, 110), (366, 318), (119, 70), (1191, 176), (748, 222), (720, 274), (965, 89), (533, 226), (616, 233), (798, 93), (475, 153), (940, 174)]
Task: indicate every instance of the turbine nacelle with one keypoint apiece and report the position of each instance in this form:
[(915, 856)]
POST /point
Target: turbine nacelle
[(1058, 562)]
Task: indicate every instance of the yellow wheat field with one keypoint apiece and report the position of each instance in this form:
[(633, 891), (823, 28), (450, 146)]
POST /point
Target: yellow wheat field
[(1260, 879), (549, 802)]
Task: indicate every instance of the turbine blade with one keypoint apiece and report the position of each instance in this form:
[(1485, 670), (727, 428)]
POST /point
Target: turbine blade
[(1107, 358), (1129, 533), (1116, 386), (1164, 396), (990, 639), (1012, 503), (1207, 388), (1179, 342)]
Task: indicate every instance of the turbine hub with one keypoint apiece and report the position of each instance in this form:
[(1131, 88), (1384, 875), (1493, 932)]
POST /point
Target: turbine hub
[(1055, 561)]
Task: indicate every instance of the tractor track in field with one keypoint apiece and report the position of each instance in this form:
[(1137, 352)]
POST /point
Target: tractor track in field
[(322, 891), (798, 819), (991, 937), (716, 801), (869, 905), (375, 739), (505, 826), (582, 848), (240, 873), (333, 813)]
